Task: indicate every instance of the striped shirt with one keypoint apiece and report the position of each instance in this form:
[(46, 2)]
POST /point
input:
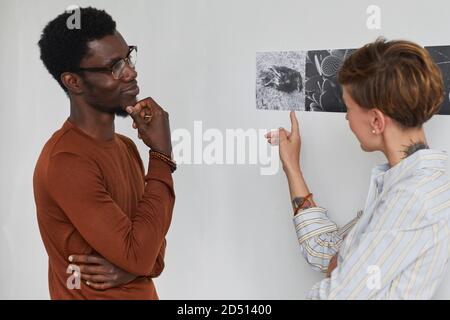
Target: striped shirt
[(397, 247)]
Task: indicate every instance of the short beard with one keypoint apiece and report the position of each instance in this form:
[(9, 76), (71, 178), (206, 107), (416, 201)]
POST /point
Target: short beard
[(119, 111)]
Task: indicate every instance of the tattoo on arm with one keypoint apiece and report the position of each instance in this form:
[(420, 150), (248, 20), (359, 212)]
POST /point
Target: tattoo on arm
[(296, 202), (413, 147), (300, 201)]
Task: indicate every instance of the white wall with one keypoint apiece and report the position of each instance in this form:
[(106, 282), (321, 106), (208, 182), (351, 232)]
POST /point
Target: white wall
[(232, 235)]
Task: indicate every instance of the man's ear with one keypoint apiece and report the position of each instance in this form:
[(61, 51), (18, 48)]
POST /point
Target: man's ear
[(378, 120), (72, 82)]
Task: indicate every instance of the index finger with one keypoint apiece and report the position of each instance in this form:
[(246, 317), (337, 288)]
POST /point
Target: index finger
[(147, 103), (294, 122), (134, 112)]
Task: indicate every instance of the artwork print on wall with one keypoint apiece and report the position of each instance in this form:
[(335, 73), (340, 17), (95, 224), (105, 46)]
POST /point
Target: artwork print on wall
[(307, 80), (280, 80)]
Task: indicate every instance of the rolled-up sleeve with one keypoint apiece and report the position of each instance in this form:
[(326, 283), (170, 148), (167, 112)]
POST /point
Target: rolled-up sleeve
[(319, 237)]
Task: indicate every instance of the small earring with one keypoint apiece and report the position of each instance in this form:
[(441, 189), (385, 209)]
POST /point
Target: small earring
[(373, 131)]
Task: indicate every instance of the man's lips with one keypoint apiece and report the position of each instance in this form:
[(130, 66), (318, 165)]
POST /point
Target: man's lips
[(132, 90)]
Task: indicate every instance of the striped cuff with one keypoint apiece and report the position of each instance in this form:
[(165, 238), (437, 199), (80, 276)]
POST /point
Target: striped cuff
[(312, 222)]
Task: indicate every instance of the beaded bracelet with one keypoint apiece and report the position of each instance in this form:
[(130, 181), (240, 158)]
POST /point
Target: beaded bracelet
[(163, 157)]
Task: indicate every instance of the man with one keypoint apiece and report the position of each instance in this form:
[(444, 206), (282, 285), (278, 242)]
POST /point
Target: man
[(99, 214)]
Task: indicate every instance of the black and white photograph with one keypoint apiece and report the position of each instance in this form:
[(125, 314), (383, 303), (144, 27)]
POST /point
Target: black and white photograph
[(441, 56), (280, 80), (322, 91), (307, 80)]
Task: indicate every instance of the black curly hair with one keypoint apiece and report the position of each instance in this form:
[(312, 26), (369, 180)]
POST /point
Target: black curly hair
[(62, 49)]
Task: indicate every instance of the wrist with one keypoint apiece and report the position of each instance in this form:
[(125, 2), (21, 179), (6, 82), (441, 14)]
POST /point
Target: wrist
[(165, 151), (302, 203), (163, 157)]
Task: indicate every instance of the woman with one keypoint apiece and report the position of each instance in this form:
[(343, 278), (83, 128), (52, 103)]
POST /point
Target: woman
[(397, 247)]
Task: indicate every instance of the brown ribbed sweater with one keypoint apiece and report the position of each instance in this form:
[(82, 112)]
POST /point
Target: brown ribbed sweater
[(93, 196)]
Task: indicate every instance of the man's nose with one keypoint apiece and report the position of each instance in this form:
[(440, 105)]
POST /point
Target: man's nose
[(128, 73)]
